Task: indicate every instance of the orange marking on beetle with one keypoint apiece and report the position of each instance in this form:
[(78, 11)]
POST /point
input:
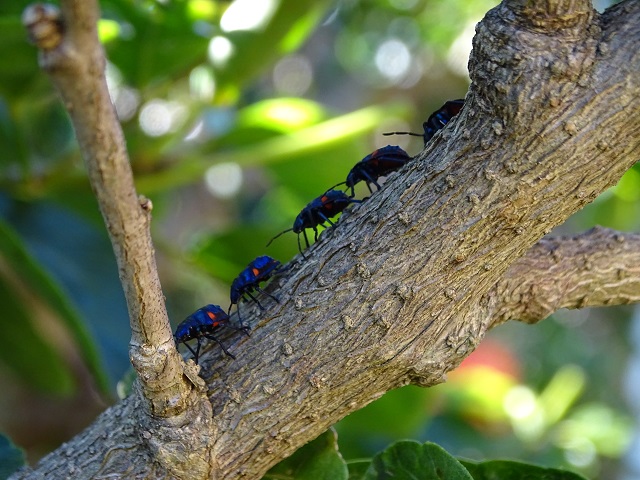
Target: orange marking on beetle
[(324, 198), (255, 271), (211, 315)]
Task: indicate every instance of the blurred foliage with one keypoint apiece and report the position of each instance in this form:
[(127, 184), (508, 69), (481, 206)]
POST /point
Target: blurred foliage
[(19, 332), (403, 460), (317, 460), (237, 114), (11, 457), (406, 460), (507, 469)]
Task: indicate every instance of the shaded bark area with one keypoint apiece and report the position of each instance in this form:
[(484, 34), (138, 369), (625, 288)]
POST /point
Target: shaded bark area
[(410, 281)]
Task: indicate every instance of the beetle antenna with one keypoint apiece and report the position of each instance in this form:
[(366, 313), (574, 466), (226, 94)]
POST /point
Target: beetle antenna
[(404, 133), (284, 231), (337, 184)]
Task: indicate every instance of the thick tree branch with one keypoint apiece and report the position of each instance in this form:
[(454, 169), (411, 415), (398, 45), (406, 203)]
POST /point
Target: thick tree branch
[(598, 268), (72, 55), (405, 286)]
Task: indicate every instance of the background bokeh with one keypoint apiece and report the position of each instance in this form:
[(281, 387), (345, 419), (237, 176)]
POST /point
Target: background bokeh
[(236, 115)]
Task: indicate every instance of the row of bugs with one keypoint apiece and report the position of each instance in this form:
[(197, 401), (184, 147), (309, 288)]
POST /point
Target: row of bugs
[(206, 320)]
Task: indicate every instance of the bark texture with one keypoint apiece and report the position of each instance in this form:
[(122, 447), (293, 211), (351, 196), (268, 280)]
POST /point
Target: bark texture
[(410, 281)]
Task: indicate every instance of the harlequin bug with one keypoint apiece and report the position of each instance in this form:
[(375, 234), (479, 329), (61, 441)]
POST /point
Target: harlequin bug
[(201, 324), (437, 120), (318, 212), (375, 165), (259, 270)]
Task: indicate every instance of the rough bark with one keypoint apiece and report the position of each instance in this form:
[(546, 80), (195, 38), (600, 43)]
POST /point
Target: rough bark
[(600, 267), (410, 281)]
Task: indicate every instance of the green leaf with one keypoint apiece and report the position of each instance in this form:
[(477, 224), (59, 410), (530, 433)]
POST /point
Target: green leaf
[(358, 468), (317, 460), (409, 460), (11, 457), (22, 268), (500, 469)]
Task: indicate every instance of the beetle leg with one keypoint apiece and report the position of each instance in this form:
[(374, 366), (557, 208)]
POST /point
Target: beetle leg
[(255, 300), (369, 179), (244, 329), (300, 247), (211, 337), (267, 294), (195, 355), (324, 219), (239, 317)]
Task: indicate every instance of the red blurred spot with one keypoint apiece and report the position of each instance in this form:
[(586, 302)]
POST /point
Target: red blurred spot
[(494, 355)]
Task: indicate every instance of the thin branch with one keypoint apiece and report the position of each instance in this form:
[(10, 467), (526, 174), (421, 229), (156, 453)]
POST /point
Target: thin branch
[(72, 55), (598, 268)]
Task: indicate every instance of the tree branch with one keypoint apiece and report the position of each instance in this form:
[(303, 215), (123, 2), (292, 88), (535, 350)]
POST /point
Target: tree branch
[(598, 268), (72, 55), (401, 291)]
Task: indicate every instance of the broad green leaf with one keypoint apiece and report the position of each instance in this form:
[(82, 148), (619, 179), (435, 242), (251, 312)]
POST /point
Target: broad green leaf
[(501, 469), (317, 460), (25, 268), (11, 457), (358, 468), (409, 460)]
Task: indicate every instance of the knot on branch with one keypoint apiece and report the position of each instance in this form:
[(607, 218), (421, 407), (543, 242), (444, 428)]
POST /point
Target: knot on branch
[(145, 203), (44, 25), (168, 392), (182, 443), (553, 15), (527, 53)]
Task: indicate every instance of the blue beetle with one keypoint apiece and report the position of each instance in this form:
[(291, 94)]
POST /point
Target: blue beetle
[(437, 120), (202, 324), (318, 212), (377, 164), (248, 281)]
